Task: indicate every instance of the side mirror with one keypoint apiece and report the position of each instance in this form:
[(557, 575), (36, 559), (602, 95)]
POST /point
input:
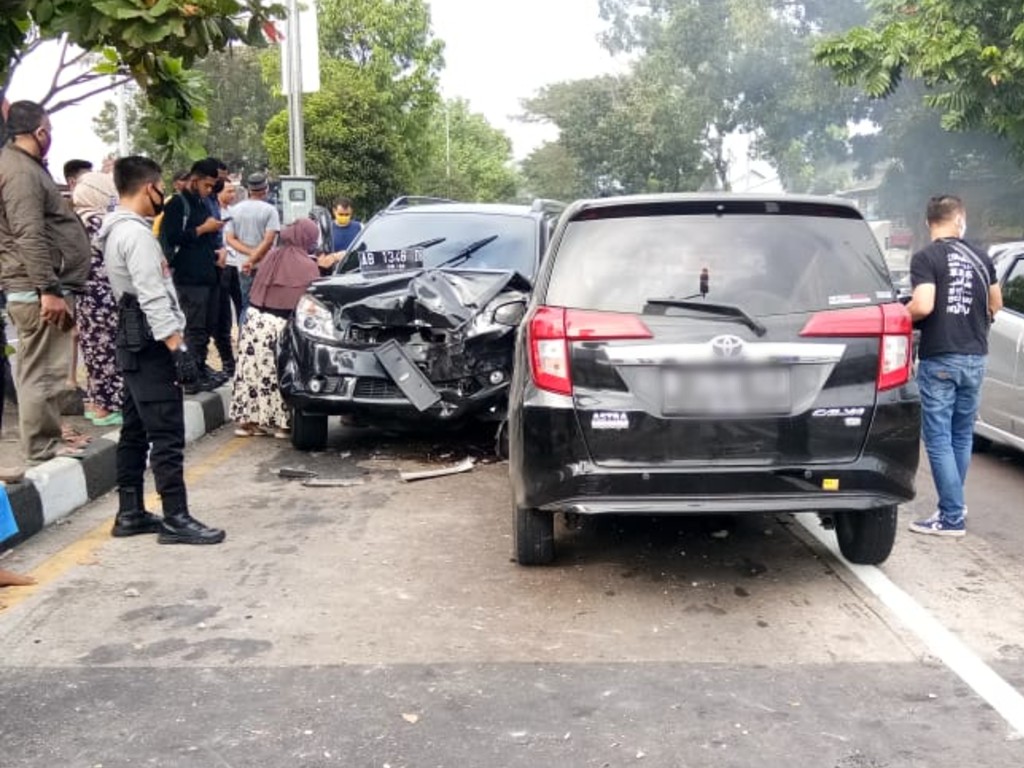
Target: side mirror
[(510, 314)]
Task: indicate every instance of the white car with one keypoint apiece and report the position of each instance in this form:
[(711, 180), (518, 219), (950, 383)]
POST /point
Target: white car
[(1001, 417)]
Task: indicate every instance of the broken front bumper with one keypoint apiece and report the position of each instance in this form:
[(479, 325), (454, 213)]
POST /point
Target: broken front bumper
[(322, 378)]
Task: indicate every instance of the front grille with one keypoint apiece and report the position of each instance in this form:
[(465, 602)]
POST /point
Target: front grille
[(378, 389)]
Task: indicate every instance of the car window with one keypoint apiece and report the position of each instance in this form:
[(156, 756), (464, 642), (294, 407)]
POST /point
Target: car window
[(1013, 289), (445, 234), (766, 264)]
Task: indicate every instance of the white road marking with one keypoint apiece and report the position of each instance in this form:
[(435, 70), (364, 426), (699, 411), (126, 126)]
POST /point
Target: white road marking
[(953, 652)]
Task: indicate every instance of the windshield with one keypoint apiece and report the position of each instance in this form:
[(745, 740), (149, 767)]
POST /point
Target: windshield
[(764, 264), (511, 240)]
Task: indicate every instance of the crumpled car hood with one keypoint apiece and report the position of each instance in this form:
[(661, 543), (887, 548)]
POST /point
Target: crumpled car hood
[(439, 299)]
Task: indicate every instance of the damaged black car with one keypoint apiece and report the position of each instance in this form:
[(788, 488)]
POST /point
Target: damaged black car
[(417, 325)]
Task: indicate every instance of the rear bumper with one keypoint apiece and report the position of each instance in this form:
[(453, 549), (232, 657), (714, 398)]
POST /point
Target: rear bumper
[(551, 470)]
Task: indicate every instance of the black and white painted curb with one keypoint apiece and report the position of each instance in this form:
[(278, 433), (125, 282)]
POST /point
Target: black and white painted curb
[(53, 490)]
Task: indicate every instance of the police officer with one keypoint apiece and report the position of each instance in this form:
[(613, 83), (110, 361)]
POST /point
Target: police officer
[(152, 356)]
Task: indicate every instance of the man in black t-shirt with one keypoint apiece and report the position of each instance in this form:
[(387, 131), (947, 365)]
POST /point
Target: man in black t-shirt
[(956, 297)]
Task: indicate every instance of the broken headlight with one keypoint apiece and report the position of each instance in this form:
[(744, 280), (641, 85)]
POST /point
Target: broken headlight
[(315, 320)]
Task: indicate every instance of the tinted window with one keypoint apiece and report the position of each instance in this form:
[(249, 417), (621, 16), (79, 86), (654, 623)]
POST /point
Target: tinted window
[(1013, 291), (515, 247), (764, 264)]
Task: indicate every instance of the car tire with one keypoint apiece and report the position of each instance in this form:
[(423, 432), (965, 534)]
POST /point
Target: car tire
[(866, 537), (534, 534), (981, 444), (309, 431)]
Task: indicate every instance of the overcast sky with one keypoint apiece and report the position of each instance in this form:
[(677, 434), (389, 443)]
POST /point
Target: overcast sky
[(497, 53)]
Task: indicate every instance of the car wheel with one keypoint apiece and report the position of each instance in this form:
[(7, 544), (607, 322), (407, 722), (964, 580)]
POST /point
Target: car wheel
[(866, 538), (309, 431), (981, 444), (534, 536)]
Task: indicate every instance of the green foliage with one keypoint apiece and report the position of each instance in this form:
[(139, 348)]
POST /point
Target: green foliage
[(239, 102), (968, 54), (154, 41), (481, 158), (369, 130), (552, 172)]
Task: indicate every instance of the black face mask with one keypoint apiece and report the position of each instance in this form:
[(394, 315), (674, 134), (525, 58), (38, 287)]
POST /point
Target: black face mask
[(158, 205)]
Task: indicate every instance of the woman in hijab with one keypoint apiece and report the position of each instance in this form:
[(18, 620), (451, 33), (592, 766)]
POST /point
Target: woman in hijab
[(93, 198), (284, 275)]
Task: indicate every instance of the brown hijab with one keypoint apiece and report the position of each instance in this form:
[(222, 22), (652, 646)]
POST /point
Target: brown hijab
[(287, 270)]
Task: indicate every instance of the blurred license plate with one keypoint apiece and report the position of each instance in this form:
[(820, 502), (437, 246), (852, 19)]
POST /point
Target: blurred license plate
[(727, 392), (382, 262)]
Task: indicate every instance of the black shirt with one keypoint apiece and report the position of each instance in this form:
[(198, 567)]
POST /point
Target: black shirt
[(961, 275), (196, 260)]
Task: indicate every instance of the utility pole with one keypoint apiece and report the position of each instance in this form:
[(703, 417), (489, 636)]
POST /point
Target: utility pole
[(122, 121), (448, 146), (296, 134)]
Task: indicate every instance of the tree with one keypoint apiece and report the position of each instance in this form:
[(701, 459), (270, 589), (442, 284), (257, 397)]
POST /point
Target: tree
[(368, 130), (241, 104), (623, 134), (969, 54), (743, 66), (155, 42), (480, 157), (551, 172)]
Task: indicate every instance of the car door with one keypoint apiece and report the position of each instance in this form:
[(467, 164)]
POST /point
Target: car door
[(1010, 323)]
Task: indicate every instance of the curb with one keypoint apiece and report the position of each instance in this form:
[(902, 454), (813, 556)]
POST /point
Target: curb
[(54, 489)]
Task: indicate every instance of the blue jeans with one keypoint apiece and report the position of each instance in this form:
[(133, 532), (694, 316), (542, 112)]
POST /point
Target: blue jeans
[(950, 395)]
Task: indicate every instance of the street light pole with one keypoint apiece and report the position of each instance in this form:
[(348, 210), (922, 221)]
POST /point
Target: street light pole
[(448, 147), (296, 133)]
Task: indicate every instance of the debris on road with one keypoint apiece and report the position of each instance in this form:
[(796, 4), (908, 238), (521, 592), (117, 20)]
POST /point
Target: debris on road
[(333, 482), (410, 718), (296, 473), (466, 465), (132, 592)]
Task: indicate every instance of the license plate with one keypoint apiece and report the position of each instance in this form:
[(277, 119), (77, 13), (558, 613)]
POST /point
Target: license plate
[(384, 262), (727, 392)]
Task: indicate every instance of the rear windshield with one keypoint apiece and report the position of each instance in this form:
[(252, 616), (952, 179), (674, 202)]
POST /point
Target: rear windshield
[(765, 264), (512, 240)]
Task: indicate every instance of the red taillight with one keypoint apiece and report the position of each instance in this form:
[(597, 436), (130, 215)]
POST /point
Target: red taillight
[(890, 323), (551, 329)]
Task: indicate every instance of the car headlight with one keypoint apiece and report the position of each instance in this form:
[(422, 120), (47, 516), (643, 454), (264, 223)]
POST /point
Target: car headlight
[(315, 320)]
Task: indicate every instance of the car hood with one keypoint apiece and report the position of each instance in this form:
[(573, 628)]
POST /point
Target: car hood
[(442, 299)]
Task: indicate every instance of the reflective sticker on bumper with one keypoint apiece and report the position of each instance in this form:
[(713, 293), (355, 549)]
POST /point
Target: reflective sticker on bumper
[(830, 484), (616, 420)]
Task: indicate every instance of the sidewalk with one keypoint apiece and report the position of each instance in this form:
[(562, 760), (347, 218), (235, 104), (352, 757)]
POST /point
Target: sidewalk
[(54, 489)]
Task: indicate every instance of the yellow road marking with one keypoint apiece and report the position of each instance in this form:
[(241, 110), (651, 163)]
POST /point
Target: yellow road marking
[(84, 549)]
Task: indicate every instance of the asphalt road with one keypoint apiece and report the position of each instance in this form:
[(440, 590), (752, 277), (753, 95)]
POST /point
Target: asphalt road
[(384, 624)]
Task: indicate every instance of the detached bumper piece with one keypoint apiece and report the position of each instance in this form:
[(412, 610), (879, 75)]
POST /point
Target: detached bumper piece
[(410, 379)]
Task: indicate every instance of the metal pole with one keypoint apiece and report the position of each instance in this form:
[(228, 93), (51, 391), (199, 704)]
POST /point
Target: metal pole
[(122, 121), (448, 147), (296, 136)]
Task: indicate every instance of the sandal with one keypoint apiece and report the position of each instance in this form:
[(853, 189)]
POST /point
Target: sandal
[(249, 431)]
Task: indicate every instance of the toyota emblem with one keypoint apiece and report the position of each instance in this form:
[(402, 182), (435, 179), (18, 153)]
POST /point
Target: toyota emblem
[(727, 347)]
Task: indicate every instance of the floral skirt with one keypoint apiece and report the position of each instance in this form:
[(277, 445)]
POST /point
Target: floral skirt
[(255, 397)]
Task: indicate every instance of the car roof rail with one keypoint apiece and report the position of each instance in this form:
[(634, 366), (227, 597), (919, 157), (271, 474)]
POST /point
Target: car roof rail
[(540, 205), (406, 201)]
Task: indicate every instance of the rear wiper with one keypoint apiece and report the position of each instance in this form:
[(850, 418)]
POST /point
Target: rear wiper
[(468, 251), (724, 310)]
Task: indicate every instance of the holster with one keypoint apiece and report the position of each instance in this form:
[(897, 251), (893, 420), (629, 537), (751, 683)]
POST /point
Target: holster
[(133, 333)]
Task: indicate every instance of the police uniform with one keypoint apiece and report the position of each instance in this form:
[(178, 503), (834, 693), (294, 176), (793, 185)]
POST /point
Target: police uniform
[(153, 410)]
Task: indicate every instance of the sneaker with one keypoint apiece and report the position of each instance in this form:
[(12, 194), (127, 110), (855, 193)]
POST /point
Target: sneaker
[(932, 527), (936, 516)]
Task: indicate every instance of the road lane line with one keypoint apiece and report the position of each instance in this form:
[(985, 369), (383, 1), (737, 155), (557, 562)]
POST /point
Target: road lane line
[(85, 548), (951, 650)]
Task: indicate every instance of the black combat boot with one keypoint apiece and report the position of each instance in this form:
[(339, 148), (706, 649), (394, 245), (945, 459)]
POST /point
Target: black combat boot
[(179, 527), (132, 518)]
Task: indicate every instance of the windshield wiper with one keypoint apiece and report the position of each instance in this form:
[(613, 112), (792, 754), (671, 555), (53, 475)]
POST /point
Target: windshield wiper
[(724, 310), (468, 251), (426, 244)]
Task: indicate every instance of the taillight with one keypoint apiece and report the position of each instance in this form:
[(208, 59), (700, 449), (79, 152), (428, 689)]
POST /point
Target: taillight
[(890, 323), (552, 329)]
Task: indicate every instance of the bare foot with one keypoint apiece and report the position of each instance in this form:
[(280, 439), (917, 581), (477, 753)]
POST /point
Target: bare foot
[(12, 579)]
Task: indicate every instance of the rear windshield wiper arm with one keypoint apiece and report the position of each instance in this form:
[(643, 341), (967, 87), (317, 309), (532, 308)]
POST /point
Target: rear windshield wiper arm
[(724, 310), (468, 251)]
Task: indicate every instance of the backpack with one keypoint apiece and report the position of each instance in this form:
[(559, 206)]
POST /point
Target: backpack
[(170, 251)]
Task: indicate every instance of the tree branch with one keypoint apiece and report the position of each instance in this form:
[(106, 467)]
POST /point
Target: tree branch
[(60, 68), (79, 99)]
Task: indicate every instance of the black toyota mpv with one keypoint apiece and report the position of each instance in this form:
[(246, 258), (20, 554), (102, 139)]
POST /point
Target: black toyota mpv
[(714, 354)]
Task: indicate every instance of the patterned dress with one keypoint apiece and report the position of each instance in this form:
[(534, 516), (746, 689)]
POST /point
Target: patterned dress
[(96, 314), (256, 397)]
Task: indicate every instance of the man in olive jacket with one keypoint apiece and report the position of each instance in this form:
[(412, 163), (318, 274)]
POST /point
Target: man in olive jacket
[(44, 258)]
